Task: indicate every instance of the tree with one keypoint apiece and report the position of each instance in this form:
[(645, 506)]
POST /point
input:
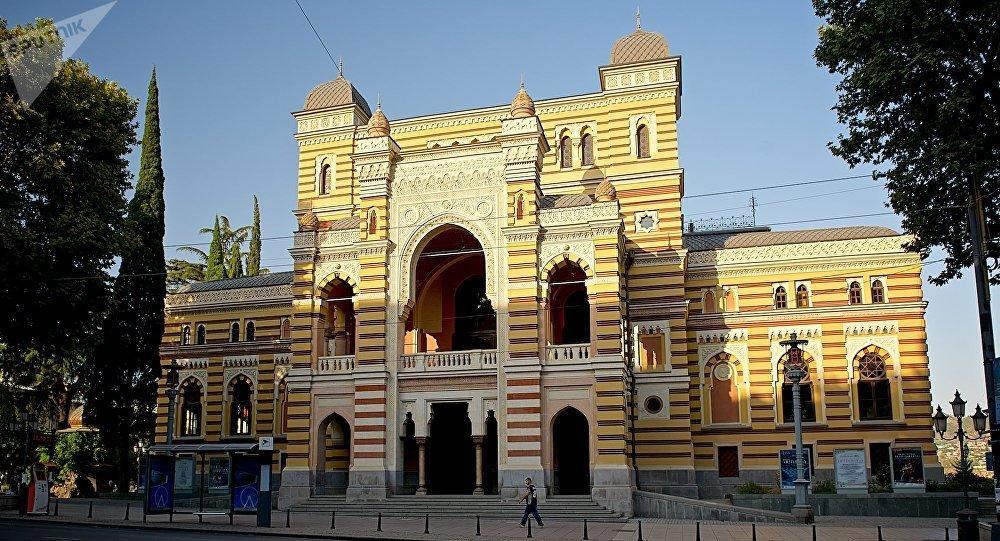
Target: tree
[(253, 257), (223, 237), (215, 266), (181, 272), (920, 97), (121, 399), (63, 177), (235, 264)]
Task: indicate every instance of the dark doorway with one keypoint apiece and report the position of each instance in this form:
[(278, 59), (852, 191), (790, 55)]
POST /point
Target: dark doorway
[(475, 319), (490, 462), (570, 453), (880, 472), (410, 456), (451, 456)]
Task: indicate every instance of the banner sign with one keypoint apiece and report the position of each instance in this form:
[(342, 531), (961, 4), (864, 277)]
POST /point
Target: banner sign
[(38, 492), (218, 474), (160, 495), (788, 470), (850, 470), (907, 467), (246, 483), (184, 473)]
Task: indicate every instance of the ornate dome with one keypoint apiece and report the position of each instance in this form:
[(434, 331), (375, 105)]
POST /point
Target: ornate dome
[(605, 191), (333, 93), (308, 221), (639, 46), (378, 124), (523, 105)]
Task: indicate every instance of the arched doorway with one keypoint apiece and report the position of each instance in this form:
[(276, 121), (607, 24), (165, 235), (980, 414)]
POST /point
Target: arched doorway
[(490, 459), (334, 459), (570, 452), (338, 319), (451, 310), (569, 307), (451, 455), (411, 457)]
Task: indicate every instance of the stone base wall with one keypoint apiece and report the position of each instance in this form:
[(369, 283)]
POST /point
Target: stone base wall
[(648, 504), (935, 504)]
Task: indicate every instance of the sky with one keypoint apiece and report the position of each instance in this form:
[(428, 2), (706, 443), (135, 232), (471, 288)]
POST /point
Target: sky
[(756, 108)]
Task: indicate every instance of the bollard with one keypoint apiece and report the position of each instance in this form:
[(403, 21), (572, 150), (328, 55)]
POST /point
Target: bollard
[(814, 532), (333, 520), (585, 538), (90, 510), (529, 527), (128, 507), (288, 517), (880, 534), (753, 531), (379, 527), (427, 523), (947, 534), (968, 525), (640, 531), (57, 507), (697, 531), (478, 532)]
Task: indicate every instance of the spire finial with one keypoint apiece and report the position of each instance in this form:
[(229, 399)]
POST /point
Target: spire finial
[(379, 103), (340, 66), (522, 79), (638, 19)]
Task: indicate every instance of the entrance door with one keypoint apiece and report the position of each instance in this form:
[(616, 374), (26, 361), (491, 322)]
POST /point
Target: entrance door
[(570, 453), (451, 455)]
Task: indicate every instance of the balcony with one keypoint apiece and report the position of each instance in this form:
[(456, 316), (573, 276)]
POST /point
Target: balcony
[(566, 353), (448, 361), (338, 364)]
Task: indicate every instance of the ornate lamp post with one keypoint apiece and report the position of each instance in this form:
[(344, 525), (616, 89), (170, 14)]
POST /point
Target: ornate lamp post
[(979, 423), (795, 372), (172, 380)]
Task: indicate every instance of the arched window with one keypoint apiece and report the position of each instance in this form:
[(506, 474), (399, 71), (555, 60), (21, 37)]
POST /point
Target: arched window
[(191, 407), (708, 304), (251, 332), (240, 406), (854, 293), (565, 152), (874, 389), (587, 149), (286, 329), (802, 296), (728, 300), (372, 222), (325, 180), (780, 297), (186, 335), (281, 407), (234, 332), (724, 394), (805, 392), (200, 336), (642, 141), (569, 306), (878, 292)]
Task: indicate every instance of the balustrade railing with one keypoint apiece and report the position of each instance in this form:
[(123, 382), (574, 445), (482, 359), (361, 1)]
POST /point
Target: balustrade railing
[(567, 352), (448, 360), (339, 364)]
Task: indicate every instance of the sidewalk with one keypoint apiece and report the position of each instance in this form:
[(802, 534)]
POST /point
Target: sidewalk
[(317, 525)]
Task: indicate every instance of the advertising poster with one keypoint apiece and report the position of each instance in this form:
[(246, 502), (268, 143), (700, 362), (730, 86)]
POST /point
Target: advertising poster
[(218, 474), (246, 484), (907, 467), (788, 473), (160, 496), (38, 492), (850, 470), (184, 472)]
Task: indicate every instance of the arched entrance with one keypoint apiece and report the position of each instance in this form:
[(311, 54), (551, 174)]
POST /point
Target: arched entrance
[(451, 455), (569, 307), (451, 310), (334, 459), (338, 319), (570, 452)]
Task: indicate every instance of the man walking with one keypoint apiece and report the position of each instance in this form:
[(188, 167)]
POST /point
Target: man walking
[(531, 503)]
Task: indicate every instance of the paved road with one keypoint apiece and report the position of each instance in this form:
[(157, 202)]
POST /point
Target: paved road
[(28, 531)]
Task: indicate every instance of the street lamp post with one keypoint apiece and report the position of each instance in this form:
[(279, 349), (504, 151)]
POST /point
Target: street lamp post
[(979, 423), (172, 378), (795, 371)]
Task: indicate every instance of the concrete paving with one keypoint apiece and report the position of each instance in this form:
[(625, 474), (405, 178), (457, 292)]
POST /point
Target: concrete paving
[(316, 525)]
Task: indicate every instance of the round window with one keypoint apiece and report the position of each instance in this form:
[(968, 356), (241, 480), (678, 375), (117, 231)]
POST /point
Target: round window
[(723, 372), (654, 405)]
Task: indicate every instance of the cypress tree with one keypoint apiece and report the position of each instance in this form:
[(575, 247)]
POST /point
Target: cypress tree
[(215, 268), (121, 397), (253, 257), (235, 261)]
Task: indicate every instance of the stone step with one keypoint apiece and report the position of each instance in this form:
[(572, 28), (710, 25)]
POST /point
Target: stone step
[(568, 508)]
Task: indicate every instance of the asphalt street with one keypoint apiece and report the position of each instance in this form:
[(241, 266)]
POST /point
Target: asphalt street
[(28, 531)]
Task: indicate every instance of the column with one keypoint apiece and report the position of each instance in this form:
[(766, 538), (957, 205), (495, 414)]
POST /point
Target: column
[(478, 441), (421, 466)]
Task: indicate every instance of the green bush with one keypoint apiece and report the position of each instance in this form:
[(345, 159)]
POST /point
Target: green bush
[(824, 486), (881, 481), (753, 488)]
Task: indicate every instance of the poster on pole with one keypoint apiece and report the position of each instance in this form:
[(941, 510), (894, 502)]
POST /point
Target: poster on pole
[(246, 483), (788, 471), (850, 470), (160, 496), (184, 473), (907, 468)]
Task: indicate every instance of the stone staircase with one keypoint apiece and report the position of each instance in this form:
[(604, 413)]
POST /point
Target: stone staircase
[(558, 508)]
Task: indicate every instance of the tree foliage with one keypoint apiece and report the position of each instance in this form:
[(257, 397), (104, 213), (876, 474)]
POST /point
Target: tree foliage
[(920, 98), (253, 256), (127, 363), (235, 265), (181, 272)]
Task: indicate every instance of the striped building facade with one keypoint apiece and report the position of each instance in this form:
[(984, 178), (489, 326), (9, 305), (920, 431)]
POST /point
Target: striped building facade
[(502, 292)]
